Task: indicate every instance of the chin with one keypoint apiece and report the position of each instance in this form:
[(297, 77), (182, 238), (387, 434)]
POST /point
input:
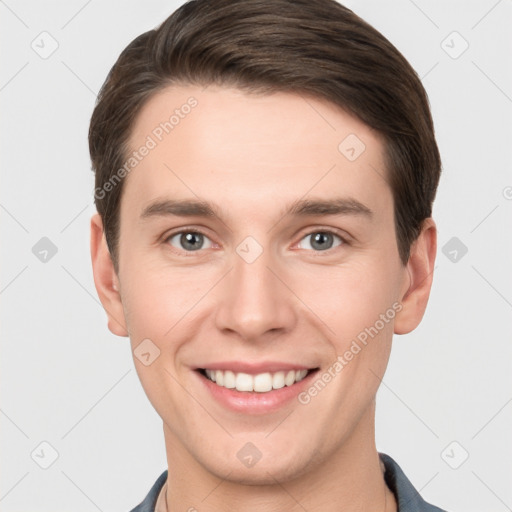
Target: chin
[(263, 472)]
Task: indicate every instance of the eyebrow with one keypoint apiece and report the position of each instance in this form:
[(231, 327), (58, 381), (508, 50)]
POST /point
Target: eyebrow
[(299, 208)]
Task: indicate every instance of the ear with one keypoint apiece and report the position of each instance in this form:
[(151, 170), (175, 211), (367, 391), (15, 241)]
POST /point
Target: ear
[(105, 278), (416, 289)]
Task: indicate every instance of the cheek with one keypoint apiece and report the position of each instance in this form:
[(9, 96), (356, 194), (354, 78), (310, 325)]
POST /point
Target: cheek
[(159, 305), (156, 299), (348, 299)]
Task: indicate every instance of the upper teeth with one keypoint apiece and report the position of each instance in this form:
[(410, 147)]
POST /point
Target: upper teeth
[(261, 382)]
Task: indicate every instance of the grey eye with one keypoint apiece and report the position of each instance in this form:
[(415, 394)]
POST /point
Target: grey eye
[(190, 241), (321, 240)]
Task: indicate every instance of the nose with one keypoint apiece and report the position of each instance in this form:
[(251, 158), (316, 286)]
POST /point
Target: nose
[(255, 301)]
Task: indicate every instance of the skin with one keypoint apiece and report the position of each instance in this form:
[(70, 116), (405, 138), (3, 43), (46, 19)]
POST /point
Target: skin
[(253, 155)]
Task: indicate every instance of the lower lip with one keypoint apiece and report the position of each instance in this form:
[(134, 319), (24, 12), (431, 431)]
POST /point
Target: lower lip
[(252, 402)]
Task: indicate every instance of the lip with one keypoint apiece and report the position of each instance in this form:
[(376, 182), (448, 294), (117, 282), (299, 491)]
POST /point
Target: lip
[(253, 368), (253, 402)]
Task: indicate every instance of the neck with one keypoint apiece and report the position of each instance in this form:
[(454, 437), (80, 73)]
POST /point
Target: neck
[(349, 478)]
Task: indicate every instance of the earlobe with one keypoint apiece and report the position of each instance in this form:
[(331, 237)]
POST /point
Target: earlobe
[(418, 283), (105, 278)]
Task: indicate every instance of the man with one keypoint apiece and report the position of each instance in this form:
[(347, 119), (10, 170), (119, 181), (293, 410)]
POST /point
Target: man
[(265, 173)]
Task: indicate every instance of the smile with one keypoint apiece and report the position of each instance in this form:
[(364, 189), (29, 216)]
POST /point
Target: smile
[(260, 383), (254, 388)]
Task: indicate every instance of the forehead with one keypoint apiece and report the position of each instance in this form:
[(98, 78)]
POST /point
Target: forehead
[(226, 144)]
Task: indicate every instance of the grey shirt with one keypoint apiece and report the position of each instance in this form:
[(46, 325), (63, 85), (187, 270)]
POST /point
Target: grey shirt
[(407, 497)]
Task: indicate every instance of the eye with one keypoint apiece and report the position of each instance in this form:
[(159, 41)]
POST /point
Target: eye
[(189, 241), (321, 240)]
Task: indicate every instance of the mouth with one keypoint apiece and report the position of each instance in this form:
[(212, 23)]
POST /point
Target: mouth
[(258, 383), (254, 388), (255, 383)]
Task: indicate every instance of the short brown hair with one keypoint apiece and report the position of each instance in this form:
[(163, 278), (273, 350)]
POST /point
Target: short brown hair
[(319, 48)]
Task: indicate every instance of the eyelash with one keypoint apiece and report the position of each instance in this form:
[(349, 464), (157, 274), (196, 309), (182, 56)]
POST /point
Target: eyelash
[(167, 238)]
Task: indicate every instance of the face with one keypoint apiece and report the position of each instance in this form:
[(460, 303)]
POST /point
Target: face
[(258, 249)]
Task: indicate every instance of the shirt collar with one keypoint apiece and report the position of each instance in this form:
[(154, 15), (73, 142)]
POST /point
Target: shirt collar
[(407, 497)]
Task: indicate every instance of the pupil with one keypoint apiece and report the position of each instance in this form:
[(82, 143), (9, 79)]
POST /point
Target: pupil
[(189, 241)]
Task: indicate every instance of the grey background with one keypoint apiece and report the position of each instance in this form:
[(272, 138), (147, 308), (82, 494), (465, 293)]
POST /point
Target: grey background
[(67, 381)]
